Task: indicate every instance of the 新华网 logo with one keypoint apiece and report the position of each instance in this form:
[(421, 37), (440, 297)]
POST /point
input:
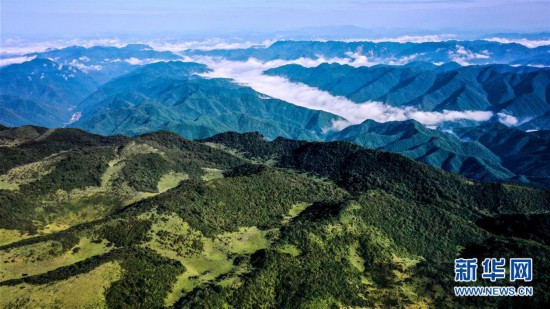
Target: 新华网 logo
[(493, 269)]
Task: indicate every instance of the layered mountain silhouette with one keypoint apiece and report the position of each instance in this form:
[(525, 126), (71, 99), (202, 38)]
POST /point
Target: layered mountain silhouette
[(169, 96), (57, 90), (167, 188), (41, 92), (103, 63), (45, 90), (522, 92), (465, 52), (524, 153), (491, 152)]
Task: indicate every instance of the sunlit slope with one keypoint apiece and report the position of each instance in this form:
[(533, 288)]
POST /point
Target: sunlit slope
[(239, 221)]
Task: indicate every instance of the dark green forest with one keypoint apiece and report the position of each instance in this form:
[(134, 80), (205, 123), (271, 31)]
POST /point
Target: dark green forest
[(238, 221)]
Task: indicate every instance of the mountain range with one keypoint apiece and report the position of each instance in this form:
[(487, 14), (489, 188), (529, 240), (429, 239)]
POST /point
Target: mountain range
[(132, 179), (103, 63), (45, 90), (464, 52), (41, 92), (170, 96), (236, 220), (490, 152), (134, 97), (522, 92)]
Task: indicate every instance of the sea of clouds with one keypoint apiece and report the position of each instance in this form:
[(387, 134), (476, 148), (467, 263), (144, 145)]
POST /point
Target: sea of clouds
[(251, 73)]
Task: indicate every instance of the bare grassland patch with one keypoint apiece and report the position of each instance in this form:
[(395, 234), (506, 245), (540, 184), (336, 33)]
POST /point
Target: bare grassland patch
[(45, 256), (81, 291)]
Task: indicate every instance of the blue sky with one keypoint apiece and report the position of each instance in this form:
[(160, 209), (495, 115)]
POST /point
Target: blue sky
[(87, 17)]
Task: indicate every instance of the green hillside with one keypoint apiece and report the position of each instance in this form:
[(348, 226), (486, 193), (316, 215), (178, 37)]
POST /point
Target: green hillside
[(524, 153), (518, 91), (434, 147), (489, 152), (238, 221), (171, 96)]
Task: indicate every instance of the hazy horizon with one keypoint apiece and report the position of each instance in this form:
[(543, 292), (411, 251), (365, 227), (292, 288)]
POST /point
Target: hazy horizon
[(68, 18)]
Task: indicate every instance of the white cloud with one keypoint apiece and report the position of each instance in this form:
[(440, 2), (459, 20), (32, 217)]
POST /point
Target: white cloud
[(463, 56), (508, 120), (211, 44), (524, 42), (418, 38), (405, 59), (538, 66), (85, 68), (250, 73), (75, 117), (356, 59), (22, 47), (136, 61), (108, 60), (14, 60)]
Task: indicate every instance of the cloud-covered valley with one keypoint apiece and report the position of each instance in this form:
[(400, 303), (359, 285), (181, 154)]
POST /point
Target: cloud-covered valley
[(250, 73)]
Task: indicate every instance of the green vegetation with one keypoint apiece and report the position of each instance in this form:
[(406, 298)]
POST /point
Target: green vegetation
[(172, 180), (42, 257), (145, 171), (48, 143), (145, 282), (78, 169), (178, 99), (225, 205), (238, 221), (90, 287), (125, 232), (84, 177), (27, 173)]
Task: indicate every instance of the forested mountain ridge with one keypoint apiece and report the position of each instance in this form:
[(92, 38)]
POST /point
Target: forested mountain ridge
[(518, 91), (140, 90), (236, 220), (41, 92), (489, 152), (466, 52), (103, 63), (171, 96)]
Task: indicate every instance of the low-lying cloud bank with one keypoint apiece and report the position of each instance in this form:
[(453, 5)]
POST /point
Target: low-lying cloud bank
[(524, 42), (15, 60), (508, 120), (18, 47), (250, 73), (136, 61), (463, 56), (418, 38), (210, 44), (449, 37)]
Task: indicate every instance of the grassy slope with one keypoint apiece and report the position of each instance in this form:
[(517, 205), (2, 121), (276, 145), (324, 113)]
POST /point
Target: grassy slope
[(309, 224)]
